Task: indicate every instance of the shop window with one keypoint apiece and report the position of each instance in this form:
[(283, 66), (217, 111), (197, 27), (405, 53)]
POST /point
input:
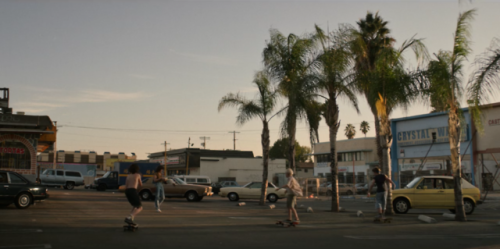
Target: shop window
[(14, 155)]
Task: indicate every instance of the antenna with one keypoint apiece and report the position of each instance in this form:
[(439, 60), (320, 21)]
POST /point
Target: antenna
[(204, 144), (234, 139)]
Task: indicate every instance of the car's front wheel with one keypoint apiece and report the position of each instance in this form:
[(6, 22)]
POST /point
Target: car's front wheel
[(145, 195), (401, 206), (70, 186), (192, 196), (233, 197), (272, 198), (23, 200)]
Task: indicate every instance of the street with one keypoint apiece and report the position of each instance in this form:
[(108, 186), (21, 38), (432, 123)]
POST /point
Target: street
[(90, 219)]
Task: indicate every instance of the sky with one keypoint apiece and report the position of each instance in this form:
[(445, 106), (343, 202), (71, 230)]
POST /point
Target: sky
[(153, 71)]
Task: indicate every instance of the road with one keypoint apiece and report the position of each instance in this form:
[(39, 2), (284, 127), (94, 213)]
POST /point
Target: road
[(90, 219)]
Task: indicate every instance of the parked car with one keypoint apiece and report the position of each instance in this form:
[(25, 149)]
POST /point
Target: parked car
[(435, 192), (192, 179), (14, 188), (252, 191), (344, 189), (59, 177), (216, 186), (363, 188), (180, 190)]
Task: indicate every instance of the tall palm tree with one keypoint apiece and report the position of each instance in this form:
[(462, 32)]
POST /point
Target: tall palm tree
[(261, 108), (445, 76), (364, 127), (485, 79), (350, 131), (335, 79), (289, 60)]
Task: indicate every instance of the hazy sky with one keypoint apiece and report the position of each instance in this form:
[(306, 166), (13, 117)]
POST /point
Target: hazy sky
[(159, 68)]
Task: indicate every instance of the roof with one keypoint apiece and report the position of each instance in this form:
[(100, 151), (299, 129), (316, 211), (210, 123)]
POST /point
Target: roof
[(359, 138), (427, 115), (206, 153), (341, 151)]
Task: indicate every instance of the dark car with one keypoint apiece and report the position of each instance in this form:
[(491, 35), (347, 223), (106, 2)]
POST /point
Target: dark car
[(14, 188), (218, 185)]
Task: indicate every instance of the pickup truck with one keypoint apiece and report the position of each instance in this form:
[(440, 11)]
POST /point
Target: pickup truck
[(113, 179)]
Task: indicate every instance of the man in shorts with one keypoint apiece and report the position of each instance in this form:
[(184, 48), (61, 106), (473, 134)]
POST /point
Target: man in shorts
[(292, 190), (132, 183), (382, 182)]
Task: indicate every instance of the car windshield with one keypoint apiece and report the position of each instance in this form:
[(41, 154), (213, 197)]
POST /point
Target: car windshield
[(413, 182), (106, 175), (179, 181)]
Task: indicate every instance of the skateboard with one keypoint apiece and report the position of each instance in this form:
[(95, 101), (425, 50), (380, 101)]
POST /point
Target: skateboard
[(386, 220), (287, 223), (130, 227)]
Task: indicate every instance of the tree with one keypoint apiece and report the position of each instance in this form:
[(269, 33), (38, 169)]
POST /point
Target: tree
[(350, 131), (289, 60), (364, 127), (335, 79), (383, 79), (445, 76), (280, 150), (260, 108)]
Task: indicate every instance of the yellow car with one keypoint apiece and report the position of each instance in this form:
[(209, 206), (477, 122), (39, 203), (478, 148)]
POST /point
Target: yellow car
[(434, 192), (252, 191)]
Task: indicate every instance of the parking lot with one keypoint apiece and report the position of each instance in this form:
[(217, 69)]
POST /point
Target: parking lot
[(90, 219)]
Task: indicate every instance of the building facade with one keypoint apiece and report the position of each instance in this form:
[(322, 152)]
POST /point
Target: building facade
[(356, 155)]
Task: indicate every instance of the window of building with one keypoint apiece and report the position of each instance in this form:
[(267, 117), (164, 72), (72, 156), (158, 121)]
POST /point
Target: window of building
[(305, 170)]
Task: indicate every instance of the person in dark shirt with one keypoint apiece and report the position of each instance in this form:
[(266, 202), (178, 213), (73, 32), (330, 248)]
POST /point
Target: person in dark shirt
[(383, 184)]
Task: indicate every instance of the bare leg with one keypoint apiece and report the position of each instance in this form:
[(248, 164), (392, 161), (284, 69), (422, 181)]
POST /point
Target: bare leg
[(136, 211), (290, 214), (295, 213)]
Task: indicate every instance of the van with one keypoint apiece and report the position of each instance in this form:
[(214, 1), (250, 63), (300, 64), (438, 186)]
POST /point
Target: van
[(197, 180), (59, 177)]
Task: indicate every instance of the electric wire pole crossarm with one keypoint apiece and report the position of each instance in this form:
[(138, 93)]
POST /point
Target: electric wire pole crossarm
[(234, 138)]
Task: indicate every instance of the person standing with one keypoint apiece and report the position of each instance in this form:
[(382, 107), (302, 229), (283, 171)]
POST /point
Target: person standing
[(383, 184), (292, 191), (159, 180), (132, 183)]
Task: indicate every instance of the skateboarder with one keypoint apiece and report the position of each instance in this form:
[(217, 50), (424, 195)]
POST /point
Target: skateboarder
[(382, 182), (133, 181), (292, 191), (158, 179)]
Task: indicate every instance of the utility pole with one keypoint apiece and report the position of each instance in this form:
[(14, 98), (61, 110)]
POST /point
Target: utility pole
[(165, 167), (234, 139), (205, 141), (189, 142), (55, 148), (353, 171)]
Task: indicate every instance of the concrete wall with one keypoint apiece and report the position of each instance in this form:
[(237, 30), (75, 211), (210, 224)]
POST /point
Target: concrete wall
[(243, 169)]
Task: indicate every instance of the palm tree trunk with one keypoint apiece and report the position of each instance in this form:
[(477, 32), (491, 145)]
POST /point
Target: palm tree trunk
[(386, 142), (291, 148), (454, 137), (332, 118), (265, 158), (380, 153)]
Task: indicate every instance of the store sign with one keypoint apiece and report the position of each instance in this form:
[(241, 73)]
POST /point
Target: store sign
[(170, 160), (493, 122), (12, 150), (424, 136), (414, 166)]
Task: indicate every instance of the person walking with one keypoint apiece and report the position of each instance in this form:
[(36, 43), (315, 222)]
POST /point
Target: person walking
[(383, 184), (159, 180), (292, 191), (132, 183)]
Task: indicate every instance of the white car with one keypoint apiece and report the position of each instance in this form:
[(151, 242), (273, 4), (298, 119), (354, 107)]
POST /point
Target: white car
[(252, 191)]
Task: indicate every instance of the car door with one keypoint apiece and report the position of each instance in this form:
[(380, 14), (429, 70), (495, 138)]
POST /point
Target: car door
[(245, 192), (448, 197), (49, 177), (59, 177), (4, 187), (254, 190), (426, 194), (16, 185)]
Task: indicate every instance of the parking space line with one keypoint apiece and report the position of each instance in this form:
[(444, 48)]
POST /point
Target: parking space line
[(43, 246), (21, 231)]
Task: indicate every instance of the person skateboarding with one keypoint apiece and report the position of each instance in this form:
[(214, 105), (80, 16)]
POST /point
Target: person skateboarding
[(132, 183), (159, 180), (292, 191), (382, 182)]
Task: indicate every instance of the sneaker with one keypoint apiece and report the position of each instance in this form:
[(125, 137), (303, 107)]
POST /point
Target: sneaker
[(158, 210), (129, 220)]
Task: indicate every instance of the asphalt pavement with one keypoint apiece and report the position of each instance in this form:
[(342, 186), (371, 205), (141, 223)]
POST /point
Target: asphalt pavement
[(90, 219)]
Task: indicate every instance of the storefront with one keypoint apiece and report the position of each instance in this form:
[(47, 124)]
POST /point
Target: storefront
[(421, 147)]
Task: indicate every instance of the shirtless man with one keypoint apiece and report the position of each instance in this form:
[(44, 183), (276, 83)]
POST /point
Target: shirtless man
[(133, 181)]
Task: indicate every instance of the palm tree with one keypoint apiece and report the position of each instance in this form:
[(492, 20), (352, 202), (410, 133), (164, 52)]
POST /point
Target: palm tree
[(381, 78), (289, 60), (482, 82), (334, 79), (364, 127), (261, 108), (350, 131), (445, 76)]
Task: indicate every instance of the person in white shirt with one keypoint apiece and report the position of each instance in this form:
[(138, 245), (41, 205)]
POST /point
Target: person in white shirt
[(292, 191)]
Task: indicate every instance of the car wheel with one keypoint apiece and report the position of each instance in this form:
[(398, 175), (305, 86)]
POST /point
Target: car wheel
[(233, 197), (145, 195), (468, 206), (272, 198), (349, 192), (401, 206), (23, 200), (69, 186), (192, 196)]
